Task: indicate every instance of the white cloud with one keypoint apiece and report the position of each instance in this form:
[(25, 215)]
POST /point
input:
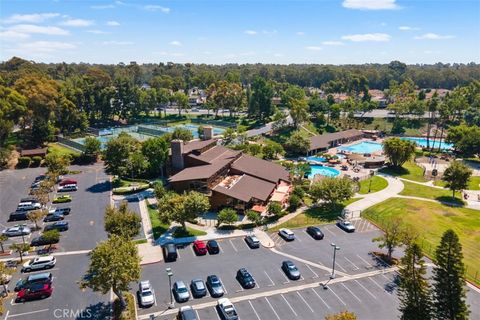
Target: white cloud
[(46, 46), (77, 23), (31, 18), (250, 32), (98, 32), (113, 23), (370, 4), (117, 43), (105, 6), (313, 48), (176, 43), (374, 37), (333, 43), (154, 8), (433, 36), (407, 28), (10, 35), (31, 28), (300, 33), (269, 32)]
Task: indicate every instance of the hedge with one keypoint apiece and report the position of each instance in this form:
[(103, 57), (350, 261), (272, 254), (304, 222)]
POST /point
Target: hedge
[(24, 162), (36, 161)]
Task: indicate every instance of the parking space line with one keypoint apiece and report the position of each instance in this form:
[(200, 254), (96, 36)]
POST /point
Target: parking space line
[(191, 248), (198, 317), (353, 294), (234, 248), (272, 283), (368, 263), (333, 234), (26, 313), (340, 266), (336, 295), (216, 312), (225, 289), (297, 238), (286, 278), (320, 298), (376, 283), (309, 268), (254, 311), (288, 304), (353, 264), (301, 297), (361, 285), (178, 254), (271, 307)]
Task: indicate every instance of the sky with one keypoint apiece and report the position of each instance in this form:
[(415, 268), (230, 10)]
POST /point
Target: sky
[(241, 31)]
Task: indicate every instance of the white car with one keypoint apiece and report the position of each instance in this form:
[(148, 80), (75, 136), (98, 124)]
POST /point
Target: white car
[(286, 234), (16, 231), (39, 263), (227, 309), (146, 294), (346, 225), (68, 187)]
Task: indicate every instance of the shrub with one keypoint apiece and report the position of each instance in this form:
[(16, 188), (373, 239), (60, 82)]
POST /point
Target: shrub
[(24, 162), (299, 192), (36, 161), (295, 202)]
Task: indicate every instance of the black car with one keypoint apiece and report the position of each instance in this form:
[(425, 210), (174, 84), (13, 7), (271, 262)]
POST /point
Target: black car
[(42, 241), (59, 225), (43, 278), (291, 270), (213, 247), (245, 278), (315, 232), (198, 288), (53, 217), (215, 286), (18, 216), (252, 242)]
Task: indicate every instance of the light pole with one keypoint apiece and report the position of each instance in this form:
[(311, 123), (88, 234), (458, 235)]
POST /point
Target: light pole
[(372, 173), (170, 275), (335, 248)]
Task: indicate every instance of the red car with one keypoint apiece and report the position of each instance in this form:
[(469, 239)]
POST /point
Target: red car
[(199, 247), (64, 182), (36, 291)]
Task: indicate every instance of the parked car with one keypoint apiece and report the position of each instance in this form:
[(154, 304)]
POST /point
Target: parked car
[(227, 310), (38, 291), (65, 182), (245, 278), (67, 188), (18, 216), (29, 199), (199, 247), (252, 242), (146, 295), (38, 278), (59, 225), (53, 217), (18, 230), (28, 206), (215, 286), (286, 234), (346, 226), (42, 241), (198, 288), (40, 263), (213, 247), (65, 211), (180, 291), (170, 252), (62, 198), (291, 270), (40, 178), (315, 233), (186, 313)]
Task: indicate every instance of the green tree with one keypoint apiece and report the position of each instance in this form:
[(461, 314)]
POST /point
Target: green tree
[(117, 152), (122, 222), (136, 164), (297, 144), (332, 191), (182, 134), (272, 150), (12, 107), (227, 216), (92, 147), (260, 103), (36, 215), (299, 111), (51, 237), (20, 248), (414, 291), (182, 208), (275, 208), (156, 151), (449, 279), (394, 235), (57, 163), (398, 151), (3, 239), (465, 139), (344, 315), (254, 217), (181, 100), (195, 203), (114, 264), (457, 176)]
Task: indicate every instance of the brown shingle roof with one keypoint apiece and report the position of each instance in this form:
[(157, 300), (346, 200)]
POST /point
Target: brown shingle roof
[(248, 187), (262, 169), (33, 152), (197, 145), (215, 154), (323, 141)]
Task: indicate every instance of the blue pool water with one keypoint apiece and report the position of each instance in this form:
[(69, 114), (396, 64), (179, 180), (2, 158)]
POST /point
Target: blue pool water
[(316, 159), (422, 142), (363, 147), (324, 171)]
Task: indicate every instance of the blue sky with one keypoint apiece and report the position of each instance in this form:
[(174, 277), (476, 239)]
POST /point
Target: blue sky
[(241, 31)]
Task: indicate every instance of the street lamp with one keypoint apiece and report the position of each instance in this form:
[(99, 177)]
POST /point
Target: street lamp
[(170, 275), (335, 248), (372, 173)]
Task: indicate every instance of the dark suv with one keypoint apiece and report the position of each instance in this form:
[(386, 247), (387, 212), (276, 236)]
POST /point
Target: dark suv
[(59, 225), (315, 233), (213, 247), (245, 278)]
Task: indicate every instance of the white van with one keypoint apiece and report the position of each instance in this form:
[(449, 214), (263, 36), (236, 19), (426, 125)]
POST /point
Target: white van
[(27, 206), (68, 187)]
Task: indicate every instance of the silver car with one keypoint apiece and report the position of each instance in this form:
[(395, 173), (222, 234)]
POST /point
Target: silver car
[(180, 291), (286, 234), (346, 226), (146, 294), (16, 231)]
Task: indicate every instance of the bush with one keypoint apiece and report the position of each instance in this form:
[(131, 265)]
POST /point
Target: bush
[(295, 202), (299, 192), (24, 162), (36, 161)]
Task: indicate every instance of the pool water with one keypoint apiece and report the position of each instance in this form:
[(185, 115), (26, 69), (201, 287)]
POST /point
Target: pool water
[(316, 159), (324, 171), (363, 147), (422, 142)]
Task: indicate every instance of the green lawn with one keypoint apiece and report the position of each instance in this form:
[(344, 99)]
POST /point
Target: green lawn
[(158, 227), (315, 216), (61, 150), (418, 190), (473, 184), (377, 184), (190, 232), (429, 220), (408, 171)]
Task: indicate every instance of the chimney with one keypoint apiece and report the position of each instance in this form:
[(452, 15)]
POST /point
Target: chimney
[(207, 132), (177, 154)]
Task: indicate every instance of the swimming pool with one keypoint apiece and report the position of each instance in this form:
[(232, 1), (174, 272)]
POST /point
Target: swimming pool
[(316, 159), (422, 142), (324, 171), (363, 147)]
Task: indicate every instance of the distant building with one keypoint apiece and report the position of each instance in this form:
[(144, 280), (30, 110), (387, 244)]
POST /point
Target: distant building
[(323, 142)]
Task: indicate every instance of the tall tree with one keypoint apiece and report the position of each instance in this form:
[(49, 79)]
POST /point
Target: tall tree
[(332, 190), (182, 208), (260, 104), (117, 152), (122, 221), (449, 279), (227, 216), (457, 176), (394, 235), (413, 291), (398, 151), (156, 151), (297, 144), (298, 111), (181, 100)]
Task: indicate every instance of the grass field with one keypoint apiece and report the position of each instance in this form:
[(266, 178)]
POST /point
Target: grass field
[(315, 216), (408, 171), (473, 184), (377, 184), (429, 220), (418, 190), (61, 150)]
